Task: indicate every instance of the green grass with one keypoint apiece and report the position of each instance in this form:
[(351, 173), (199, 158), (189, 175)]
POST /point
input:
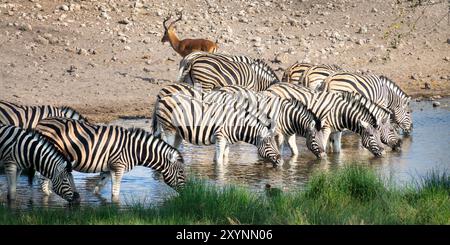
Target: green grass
[(351, 195)]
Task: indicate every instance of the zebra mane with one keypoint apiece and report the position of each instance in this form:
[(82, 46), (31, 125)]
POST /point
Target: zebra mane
[(392, 85), (359, 101), (48, 141), (68, 108), (266, 68)]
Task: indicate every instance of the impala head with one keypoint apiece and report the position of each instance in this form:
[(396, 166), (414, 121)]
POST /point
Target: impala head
[(370, 137), (165, 37), (267, 148), (63, 184), (174, 175), (388, 134)]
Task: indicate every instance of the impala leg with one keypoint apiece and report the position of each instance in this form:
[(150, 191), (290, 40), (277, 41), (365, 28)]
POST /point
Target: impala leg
[(104, 177), (11, 176), (116, 179), (292, 143)]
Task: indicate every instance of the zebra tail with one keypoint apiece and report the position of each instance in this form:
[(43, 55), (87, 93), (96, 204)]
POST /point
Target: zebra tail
[(155, 130)]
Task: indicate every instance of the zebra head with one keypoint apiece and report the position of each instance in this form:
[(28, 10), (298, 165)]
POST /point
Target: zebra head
[(267, 147), (402, 116), (175, 176), (314, 139), (64, 185), (370, 137), (388, 134)]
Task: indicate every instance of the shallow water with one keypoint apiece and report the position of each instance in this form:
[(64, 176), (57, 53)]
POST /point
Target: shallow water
[(427, 148)]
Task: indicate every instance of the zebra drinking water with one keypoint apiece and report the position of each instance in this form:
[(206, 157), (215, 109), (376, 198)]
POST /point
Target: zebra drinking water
[(23, 149), (113, 149), (179, 116)]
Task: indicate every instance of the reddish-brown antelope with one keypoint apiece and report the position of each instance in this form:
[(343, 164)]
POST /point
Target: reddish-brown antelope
[(185, 46)]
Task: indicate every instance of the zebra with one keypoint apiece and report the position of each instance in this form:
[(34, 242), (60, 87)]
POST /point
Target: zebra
[(308, 75), (29, 116), (24, 148), (113, 149), (291, 118), (211, 71), (336, 114), (380, 89), (179, 116)]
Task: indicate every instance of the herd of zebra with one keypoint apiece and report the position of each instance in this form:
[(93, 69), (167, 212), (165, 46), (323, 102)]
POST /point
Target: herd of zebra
[(219, 100)]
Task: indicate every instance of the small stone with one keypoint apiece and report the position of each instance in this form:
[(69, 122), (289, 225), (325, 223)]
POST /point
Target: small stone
[(105, 15), (125, 21), (64, 7), (414, 77), (72, 69), (436, 104), (427, 86), (82, 51), (127, 48), (374, 10), (448, 40), (41, 40), (62, 17), (447, 58), (25, 27), (360, 41), (362, 30), (146, 40)]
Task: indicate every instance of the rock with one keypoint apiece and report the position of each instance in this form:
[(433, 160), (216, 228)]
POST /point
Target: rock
[(64, 7), (427, 86), (415, 76), (25, 27), (374, 10), (41, 40), (82, 51), (72, 69), (362, 30), (436, 104), (125, 21), (105, 15), (360, 41), (147, 40), (62, 17), (127, 48), (447, 58), (281, 58)]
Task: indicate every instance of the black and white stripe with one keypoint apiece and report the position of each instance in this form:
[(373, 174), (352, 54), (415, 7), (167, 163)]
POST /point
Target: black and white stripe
[(378, 89), (24, 149), (336, 113), (180, 116), (212, 71), (29, 116), (309, 75), (290, 118), (113, 149)]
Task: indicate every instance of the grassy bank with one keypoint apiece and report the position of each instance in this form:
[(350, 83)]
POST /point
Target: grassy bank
[(351, 195)]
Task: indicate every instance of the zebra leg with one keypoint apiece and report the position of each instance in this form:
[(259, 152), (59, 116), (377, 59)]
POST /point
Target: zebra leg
[(116, 179), (11, 176), (104, 176), (279, 139), (225, 153), (46, 185), (292, 145), (336, 139), (220, 150)]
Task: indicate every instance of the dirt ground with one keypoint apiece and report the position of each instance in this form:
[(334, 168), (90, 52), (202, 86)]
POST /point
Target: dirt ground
[(106, 59)]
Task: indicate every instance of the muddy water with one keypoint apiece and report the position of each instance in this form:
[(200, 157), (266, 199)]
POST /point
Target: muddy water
[(428, 147)]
